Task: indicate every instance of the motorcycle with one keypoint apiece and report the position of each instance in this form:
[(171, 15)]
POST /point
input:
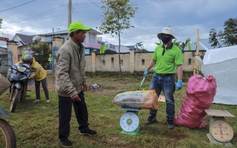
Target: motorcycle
[(18, 75), (7, 134)]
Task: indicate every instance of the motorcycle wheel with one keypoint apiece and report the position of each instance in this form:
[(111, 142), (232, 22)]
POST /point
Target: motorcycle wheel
[(23, 94), (11, 93), (7, 135), (14, 99)]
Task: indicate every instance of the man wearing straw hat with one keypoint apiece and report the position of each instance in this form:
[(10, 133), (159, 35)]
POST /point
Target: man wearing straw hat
[(167, 59)]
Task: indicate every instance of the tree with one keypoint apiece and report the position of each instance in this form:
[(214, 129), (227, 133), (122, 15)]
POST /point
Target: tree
[(140, 47), (227, 37), (180, 44), (41, 55), (117, 14), (213, 38)]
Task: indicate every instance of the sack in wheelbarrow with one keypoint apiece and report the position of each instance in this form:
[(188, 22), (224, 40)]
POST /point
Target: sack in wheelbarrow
[(4, 85), (146, 99)]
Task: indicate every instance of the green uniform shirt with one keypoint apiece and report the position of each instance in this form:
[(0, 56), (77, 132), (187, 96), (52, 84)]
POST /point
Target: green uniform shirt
[(167, 63), (50, 58)]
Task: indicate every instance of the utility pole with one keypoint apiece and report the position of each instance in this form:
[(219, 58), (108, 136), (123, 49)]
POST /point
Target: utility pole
[(69, 12)]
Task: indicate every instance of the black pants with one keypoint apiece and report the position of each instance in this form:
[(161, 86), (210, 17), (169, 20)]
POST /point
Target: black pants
[(45, 87), (65, 110)]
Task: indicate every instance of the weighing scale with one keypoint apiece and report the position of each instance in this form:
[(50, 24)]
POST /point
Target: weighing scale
[(220, 132), (129, 121)]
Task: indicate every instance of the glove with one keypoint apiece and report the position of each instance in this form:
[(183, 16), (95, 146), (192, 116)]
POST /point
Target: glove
[(145, 73), (178, 85)]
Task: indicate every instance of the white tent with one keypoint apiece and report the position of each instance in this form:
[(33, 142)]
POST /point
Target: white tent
[(222, 64)]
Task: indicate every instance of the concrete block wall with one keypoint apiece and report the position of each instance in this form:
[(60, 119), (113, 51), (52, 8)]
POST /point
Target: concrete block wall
[(130, 62)]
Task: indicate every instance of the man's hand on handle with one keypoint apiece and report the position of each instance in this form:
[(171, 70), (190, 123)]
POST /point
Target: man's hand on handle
[(145, 73)]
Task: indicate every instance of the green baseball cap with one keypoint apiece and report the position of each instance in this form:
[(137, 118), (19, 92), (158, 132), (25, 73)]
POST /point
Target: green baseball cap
[(74, 26)]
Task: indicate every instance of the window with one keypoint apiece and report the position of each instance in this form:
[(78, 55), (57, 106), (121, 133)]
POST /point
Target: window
[(143, 62), (189, 61), (103, 62), (112, 62), (87, 51), (48, 39), (121, 62), (92, 38)]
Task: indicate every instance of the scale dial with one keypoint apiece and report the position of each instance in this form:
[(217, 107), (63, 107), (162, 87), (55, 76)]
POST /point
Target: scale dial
[(129, 122), (221, 131)]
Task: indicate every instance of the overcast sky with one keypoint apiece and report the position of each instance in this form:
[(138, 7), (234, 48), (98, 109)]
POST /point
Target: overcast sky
[(184, 16)]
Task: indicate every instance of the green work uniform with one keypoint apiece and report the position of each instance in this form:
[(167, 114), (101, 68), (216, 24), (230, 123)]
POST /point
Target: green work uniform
[(167, 59)]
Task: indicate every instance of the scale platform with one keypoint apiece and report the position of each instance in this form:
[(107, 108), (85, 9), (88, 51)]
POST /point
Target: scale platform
[(129, 121)]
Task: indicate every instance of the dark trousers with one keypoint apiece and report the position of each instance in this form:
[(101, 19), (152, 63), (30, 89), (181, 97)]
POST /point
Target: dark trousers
[(65, 110), (45, 87)]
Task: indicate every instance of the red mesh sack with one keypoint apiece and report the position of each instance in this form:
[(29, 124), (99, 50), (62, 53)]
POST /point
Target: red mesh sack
[(199, 96)]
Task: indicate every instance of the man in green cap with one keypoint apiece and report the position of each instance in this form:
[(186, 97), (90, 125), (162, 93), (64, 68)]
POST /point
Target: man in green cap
[(71, 83)]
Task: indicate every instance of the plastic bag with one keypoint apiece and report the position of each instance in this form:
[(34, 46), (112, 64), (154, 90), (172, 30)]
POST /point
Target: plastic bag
[(146, 99)]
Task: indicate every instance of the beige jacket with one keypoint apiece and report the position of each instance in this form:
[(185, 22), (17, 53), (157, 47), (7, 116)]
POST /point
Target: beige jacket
[(70, 69)]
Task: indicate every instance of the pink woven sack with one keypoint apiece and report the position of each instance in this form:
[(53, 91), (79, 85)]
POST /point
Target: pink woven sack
[(199, 96)]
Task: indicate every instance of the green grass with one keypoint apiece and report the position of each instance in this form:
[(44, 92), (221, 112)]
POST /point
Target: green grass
[(36, 124)]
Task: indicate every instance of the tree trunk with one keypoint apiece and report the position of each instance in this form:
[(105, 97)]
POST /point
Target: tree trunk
[(120, 70)]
